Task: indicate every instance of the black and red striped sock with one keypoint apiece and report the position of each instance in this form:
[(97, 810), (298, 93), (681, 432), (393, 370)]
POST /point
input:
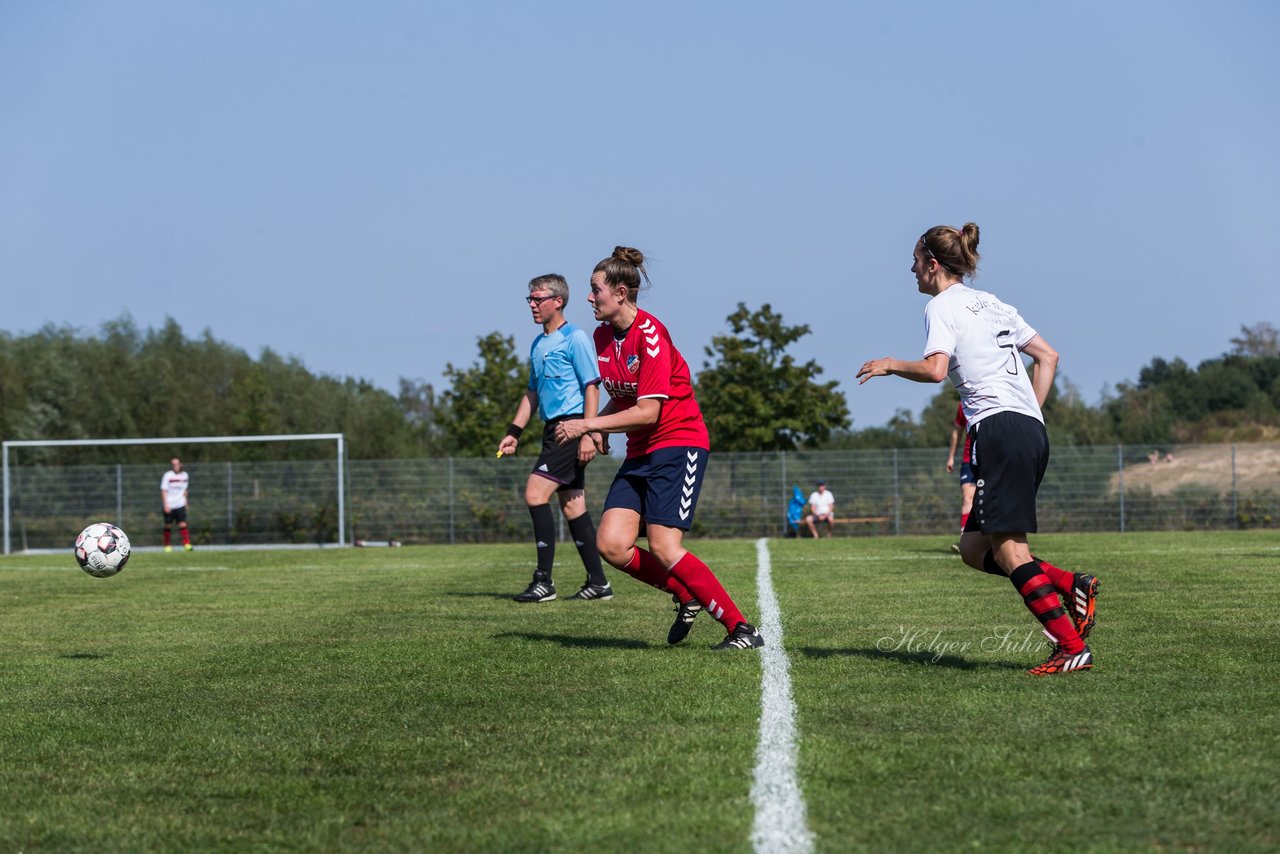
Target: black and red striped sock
[(168, 536), (186, 536), (702, 582), (1060, 578), (1041, 599)]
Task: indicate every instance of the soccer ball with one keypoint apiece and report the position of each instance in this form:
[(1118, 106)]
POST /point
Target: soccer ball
[(102, 550)]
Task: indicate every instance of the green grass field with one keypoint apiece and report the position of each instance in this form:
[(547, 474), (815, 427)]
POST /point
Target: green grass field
[(396, 699)]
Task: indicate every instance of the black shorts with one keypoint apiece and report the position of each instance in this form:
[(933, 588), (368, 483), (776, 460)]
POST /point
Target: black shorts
[(177, 514), (1009, 456), (560, 462)]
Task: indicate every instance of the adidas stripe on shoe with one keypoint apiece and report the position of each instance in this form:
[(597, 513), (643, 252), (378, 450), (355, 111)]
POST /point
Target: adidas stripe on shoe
[(685, 615), (594, 592), (537, 591), (745, 636), (1083, 605), (1064, 662)]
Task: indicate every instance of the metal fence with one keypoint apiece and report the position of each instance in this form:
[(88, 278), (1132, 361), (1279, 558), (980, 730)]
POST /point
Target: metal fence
[(461, 500)]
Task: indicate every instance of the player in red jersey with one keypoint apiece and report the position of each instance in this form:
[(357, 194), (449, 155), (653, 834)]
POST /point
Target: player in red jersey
[(651, 400)]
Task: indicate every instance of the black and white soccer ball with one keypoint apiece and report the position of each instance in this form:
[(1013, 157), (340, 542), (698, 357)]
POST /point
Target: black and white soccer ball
[(102, 549)]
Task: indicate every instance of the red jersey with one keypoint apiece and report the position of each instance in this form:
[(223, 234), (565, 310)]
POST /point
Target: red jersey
[(963, 424), (645, 364)]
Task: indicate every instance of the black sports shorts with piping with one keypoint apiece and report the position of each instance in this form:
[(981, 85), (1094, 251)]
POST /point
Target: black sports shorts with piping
[(560, 462), (1009, 456)]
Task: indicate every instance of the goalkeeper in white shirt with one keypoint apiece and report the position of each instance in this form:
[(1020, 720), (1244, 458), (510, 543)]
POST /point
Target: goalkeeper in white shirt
[(173, 496), (977, 341)]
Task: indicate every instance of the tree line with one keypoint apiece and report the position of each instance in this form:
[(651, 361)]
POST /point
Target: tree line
[(123, 382)]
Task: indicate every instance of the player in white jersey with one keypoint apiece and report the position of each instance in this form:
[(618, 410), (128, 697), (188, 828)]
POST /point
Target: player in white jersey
[(976, 340), (173, 494)]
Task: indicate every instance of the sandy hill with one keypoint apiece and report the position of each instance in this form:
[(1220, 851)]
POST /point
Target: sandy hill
[(1257, 467)]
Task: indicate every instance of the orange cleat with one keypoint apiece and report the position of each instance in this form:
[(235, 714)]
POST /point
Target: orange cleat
[(1064, 662)]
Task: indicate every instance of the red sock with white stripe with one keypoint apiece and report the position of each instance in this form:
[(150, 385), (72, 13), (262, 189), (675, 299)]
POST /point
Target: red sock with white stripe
[(1041, 599), (964, 520), (699, 578), (1059, 578), (643, 566)]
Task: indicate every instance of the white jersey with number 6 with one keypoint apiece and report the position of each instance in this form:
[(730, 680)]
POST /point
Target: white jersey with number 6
[(982, 336)]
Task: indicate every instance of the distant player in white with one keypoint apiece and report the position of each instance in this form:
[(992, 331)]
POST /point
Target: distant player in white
[(822, 508), (977, 341), (173, 494)]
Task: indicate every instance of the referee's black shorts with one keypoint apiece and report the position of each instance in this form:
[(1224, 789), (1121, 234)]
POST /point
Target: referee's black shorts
[(1009, 456), (560, 462)]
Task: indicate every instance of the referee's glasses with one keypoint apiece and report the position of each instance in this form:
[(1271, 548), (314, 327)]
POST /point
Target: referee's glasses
[(538, 300)]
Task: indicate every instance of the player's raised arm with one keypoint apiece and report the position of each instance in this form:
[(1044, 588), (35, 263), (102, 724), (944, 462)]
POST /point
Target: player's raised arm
[(932, 369)]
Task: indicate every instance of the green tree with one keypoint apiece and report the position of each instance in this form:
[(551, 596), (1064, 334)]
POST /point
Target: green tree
[(418, 404), (1141, 416), (903, 430), (1071, 421), (1261, 339), (126, 383), (482, 398), (754, 395)]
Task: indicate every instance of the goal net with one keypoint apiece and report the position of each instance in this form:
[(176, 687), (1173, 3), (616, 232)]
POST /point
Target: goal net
[(296, 500)]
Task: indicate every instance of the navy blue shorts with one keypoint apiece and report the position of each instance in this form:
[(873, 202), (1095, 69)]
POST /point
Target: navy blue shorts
[(662, 486), (1009, 455), (966, 474), (176, 515)]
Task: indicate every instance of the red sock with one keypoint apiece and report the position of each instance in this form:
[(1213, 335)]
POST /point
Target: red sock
[(696, 575), (186, 536), (167, 536), (643, 566), (1059, 578), (1042, 600), (964, 520)]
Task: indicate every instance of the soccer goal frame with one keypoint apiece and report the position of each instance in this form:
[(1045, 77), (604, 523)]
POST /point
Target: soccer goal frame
[(338, 438)]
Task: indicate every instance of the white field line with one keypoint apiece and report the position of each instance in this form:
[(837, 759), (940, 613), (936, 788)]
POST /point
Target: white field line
[(780, 824)]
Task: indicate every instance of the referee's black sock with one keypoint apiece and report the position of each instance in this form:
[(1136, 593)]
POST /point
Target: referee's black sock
[(584, 537), (544, 535)]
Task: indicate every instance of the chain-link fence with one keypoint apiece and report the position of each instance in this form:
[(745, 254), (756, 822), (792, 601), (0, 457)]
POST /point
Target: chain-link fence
[(459, 500)]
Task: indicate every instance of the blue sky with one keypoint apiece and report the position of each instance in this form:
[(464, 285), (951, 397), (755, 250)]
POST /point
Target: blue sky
[(369, 186)]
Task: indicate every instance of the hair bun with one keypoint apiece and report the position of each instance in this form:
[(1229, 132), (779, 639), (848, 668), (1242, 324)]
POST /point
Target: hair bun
[(970, 230), (634, 257)]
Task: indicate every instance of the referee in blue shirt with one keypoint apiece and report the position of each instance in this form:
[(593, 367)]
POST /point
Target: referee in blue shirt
[(564, 382)]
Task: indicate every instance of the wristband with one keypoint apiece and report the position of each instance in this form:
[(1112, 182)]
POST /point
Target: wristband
[(514, 430)]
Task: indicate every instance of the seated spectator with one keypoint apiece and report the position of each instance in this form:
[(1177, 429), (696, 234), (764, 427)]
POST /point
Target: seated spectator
[(822, 508)]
